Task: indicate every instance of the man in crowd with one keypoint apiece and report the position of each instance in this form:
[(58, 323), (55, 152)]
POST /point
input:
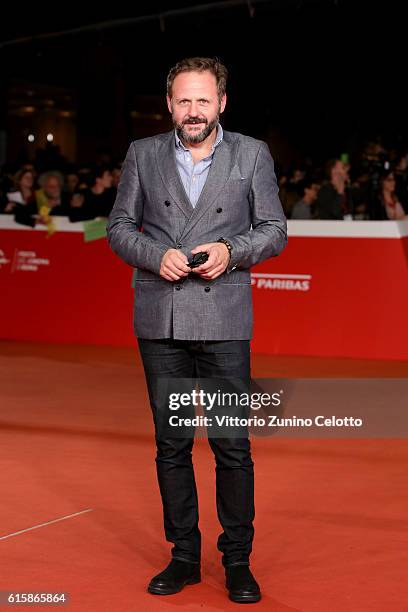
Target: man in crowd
[(333, 201), (96, 200), (303, 208)]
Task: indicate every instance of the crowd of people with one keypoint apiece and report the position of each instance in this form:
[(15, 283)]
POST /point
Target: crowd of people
[(80, 194), (375, 187)]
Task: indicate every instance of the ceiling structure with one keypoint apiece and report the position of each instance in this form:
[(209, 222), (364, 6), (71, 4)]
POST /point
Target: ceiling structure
[(36, 26)]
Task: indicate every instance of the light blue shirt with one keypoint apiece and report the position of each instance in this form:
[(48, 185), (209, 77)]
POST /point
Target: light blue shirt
[(193, 176)]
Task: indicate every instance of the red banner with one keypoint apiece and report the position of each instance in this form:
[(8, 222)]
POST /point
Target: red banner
[(338, 289)]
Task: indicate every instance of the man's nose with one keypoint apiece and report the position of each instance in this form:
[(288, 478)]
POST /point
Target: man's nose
[(193, 109)]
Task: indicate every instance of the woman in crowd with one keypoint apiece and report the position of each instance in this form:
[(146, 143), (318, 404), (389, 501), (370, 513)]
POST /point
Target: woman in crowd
[(387, 205), (23, 194)]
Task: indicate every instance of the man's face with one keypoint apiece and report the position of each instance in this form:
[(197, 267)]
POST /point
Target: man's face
[(340, 170), (194, 105), (72, 181), (312, 192), (52, 187)]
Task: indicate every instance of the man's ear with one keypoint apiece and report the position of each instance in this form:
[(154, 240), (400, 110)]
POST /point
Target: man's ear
[(168, 100), (223, 103)]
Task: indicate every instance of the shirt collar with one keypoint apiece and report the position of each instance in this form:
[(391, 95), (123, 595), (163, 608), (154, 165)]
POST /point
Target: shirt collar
[(218, 139)]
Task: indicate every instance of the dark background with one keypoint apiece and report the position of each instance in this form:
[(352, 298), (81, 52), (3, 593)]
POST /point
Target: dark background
[(313, 78)]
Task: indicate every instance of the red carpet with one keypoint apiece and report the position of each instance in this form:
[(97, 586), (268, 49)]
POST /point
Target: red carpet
[(331, 515)]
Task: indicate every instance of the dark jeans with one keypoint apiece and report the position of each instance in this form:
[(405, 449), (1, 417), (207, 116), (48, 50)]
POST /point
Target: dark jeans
[(234, 466)]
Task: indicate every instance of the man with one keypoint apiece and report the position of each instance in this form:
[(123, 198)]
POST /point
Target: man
[(100, 197), (51, 184), (96, 200), (333, 201), (289, 189), (198, 189), (308, 189)]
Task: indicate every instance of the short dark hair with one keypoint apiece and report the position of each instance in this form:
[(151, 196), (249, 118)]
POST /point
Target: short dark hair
[(200, 64), (97, 172), (306, 183), (385, 174)]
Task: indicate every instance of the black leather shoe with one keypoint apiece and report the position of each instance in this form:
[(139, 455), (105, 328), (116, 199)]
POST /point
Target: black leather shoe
[(176, 575), (242, 586)]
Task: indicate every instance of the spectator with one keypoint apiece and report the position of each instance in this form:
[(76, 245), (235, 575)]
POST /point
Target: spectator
[(50, 197), (289, 192), (96, 200), (333, 202), (387, 205), (51, 194), (23, 194), (303, 208), (71, 181), (99, 199)]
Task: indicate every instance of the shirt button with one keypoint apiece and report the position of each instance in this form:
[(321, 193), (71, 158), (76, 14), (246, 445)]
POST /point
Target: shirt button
[(178, 287), (167, 203), (219, 210), (207, 289)]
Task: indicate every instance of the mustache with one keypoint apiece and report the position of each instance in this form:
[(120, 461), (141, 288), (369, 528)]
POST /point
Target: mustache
[(194, 121)]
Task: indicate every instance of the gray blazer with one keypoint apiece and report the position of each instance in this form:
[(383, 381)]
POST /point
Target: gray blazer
[(152, 213)]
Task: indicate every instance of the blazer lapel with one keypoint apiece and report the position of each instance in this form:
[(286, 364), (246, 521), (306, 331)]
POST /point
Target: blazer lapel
[(220, 170), (166, 163)]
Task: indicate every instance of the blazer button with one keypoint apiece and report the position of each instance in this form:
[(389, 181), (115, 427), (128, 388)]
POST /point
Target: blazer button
[(178, 287), (207, 289), (167, 203), (219, 210), (179, 245)]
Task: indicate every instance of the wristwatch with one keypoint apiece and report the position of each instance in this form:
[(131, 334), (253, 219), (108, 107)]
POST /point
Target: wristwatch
[(227, 244)]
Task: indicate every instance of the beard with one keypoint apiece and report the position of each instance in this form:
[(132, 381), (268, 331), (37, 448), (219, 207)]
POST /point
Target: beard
[(208, 127)]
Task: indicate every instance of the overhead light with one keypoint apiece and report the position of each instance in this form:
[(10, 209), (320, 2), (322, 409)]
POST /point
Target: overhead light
[(50, 137), (31, 138)]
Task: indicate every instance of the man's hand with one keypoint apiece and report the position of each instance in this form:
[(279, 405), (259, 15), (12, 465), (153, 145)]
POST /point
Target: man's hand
[(174, 265), (9, 207), (217, 262)]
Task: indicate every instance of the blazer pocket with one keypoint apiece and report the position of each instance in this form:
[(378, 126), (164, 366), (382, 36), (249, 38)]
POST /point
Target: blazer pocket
[(234, 278), (237, 175), (238, 179), (240, 284), (145, 276)]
